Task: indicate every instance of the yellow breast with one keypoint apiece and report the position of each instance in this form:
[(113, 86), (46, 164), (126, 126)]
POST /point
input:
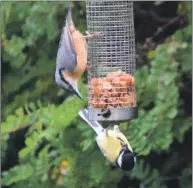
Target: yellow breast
[(109, 145)]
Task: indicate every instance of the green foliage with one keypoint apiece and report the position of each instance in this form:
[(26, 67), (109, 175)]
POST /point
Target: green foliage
[(25, 171), (30, 36), (29, 50), (161, 81), (185, 180), (148, 177)]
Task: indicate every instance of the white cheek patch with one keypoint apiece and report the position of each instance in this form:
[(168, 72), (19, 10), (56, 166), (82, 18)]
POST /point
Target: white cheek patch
[(120, 159), (135, 159)]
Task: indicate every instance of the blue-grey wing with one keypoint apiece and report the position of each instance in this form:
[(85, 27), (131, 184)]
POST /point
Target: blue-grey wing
[(66, 55)]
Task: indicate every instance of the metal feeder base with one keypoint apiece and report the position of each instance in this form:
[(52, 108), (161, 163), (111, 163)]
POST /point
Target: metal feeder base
[(113, 114)]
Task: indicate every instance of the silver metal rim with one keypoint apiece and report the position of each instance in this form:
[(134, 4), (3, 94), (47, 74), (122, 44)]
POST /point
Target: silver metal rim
[(116, 114)]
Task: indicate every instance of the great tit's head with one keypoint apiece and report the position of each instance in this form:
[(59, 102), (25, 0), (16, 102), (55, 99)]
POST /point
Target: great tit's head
[(126, 159)]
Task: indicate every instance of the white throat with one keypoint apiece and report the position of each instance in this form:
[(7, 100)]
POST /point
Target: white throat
[(71, 82)]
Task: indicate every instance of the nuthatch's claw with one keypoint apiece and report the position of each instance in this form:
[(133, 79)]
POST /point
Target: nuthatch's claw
[(87, 32), (88, 66), (95, 35)]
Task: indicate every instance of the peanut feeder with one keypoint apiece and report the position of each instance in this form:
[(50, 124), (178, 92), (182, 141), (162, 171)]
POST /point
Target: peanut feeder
[(111, 60)]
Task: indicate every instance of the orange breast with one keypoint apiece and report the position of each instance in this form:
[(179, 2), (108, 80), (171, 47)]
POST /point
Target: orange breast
[(81, 49)]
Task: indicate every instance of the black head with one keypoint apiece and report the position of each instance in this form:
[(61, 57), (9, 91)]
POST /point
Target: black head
[(126, 159)]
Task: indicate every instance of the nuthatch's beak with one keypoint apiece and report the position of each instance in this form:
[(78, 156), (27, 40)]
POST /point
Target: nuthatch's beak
[(76, 91), (78, 94)]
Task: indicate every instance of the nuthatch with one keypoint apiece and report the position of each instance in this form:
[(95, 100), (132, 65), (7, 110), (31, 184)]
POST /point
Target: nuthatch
[(71, 59)]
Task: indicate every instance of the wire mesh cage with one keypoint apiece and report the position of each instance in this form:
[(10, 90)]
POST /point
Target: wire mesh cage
[(111, 61)]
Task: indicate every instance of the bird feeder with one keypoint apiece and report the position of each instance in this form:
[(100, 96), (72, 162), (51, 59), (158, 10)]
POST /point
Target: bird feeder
[(111, 61)]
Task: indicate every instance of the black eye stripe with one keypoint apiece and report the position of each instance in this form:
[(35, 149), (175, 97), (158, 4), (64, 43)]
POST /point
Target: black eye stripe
[(63, 79)]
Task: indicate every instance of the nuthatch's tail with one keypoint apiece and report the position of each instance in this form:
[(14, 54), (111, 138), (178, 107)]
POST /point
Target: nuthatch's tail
[(69, 21), (93, 124)]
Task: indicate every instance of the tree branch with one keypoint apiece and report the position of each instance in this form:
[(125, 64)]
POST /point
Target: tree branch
[(149, 41)]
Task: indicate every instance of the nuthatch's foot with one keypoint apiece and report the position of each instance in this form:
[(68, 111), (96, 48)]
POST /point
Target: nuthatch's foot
[(88, 66), (95, 35)]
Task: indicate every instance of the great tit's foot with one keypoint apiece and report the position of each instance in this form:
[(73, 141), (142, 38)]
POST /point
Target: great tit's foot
[(113, 167), (106, 131), (116, 128)]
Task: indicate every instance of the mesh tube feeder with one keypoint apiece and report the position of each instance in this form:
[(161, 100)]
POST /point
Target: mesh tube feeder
[(111, 61)]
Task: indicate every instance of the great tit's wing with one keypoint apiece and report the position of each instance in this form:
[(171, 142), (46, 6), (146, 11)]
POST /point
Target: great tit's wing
[(124, 140), (66, 55), (93, 124)]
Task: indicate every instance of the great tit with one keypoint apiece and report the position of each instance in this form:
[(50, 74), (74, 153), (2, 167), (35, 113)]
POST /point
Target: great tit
[(112, 143)]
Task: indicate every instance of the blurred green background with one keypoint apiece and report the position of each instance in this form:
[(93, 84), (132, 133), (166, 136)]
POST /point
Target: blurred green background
[(41, 133)]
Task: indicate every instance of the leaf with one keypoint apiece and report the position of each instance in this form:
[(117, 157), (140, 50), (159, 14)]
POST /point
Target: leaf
[(24, 153), (86, 145), (16, 174), (172, 113), (19, 113)]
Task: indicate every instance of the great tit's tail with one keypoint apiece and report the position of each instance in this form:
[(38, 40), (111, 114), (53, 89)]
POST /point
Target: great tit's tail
[(93, 124)]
